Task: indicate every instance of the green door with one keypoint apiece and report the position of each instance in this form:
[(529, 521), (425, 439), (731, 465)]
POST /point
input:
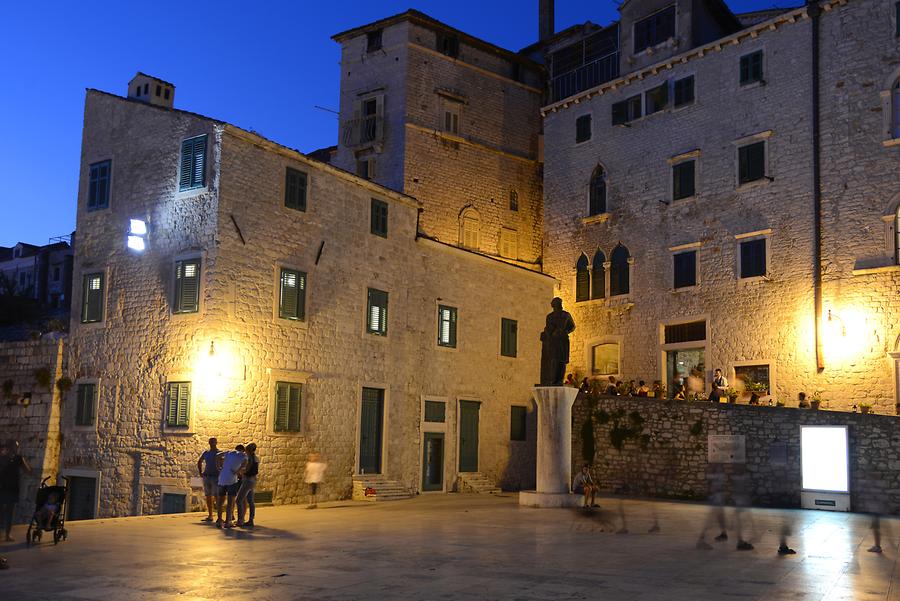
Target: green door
[(82, 499), (468, 436), (370, 430), (433, 461)]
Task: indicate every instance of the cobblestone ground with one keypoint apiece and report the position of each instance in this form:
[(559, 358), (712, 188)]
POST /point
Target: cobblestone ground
[(453, 547)]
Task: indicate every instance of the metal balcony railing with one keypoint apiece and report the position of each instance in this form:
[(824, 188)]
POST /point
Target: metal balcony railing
[(363, 130), (585, 77)]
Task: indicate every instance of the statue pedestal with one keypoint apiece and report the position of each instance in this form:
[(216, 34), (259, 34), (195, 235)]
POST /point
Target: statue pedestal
[(554, 448)]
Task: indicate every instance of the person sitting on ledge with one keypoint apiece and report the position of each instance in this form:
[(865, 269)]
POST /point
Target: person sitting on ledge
[(570, 381), (804, 404), (643, 390), (584, 485), (612, 390)]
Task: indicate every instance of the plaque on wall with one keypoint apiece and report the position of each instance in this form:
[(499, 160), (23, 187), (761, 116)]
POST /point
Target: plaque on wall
[(731, 448)]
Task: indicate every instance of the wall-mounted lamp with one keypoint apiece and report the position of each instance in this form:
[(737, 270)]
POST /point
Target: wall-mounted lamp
[(834, 317), (137, 235)]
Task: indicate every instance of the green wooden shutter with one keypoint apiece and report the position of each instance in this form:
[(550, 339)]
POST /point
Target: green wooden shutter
[(293, 422), (92, 298), (184, 403), (295, 189), (198, 177), (289, 294), (377, 312), (84, 410), (187, 159), (281, 406), (509, 337), (172, 404), (187, 286)]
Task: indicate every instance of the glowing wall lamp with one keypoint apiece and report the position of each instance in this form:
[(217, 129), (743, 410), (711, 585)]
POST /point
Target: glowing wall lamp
[(848, 334), (215, 369), (137, 235)]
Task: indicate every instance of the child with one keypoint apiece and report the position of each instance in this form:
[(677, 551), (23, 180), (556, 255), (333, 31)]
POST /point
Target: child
[(48, 511), (315, 473)]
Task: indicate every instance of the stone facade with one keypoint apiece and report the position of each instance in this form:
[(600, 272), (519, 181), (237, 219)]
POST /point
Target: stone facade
[(749, 321), (235, 348), (30, 405), (672, 459)]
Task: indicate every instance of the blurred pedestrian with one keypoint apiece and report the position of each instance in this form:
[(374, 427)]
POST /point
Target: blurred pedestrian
[(715, 475), (570, 381), (315, 474), (248, 488), (231, 463), (11, 465), (741, 489), (208, 468)]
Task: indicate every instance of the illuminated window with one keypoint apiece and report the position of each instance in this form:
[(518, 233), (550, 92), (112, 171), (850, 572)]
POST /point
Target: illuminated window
[(178, 402), (292, 298), (376, 313), (446, 326), (92, 298), (605, 359)]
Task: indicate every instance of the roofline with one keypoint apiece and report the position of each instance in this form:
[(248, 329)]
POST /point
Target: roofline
[(420, 18), (564, 32), (753, 31), (160, 80), (420, 237), (155, 106)]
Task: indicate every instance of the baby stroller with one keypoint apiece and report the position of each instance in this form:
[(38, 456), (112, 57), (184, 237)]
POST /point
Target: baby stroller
[(36, 527)]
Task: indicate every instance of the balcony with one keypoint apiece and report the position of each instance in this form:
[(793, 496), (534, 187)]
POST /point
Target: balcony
[(585, 77), (362, 131)]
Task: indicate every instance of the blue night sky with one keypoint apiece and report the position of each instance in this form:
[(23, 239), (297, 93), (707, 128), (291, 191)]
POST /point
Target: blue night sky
[(260, 65)]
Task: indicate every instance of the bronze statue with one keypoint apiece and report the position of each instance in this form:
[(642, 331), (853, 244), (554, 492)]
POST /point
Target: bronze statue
[(555, 344)]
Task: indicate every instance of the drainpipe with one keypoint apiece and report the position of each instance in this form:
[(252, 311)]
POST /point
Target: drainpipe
[(814, 12)]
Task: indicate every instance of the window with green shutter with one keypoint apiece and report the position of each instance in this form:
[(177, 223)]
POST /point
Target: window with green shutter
[(752, 67), (509, 337), (517, 422), (295, 189), (98, 185), (379, 218), (92, 298), (84, 404), (187, 286), (178, 403), (683, 180), (447, 326), (751, 162), (376, 314), (287, 407), (193, 163), (292, 299)]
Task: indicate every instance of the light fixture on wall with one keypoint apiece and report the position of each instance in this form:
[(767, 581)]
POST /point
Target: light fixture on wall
[(137, 235), (833, 317)]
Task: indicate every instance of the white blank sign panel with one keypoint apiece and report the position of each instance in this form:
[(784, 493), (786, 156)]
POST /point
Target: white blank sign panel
[(824, 458)]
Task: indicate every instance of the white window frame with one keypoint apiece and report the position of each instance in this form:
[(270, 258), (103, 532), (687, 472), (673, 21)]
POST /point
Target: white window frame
[(749, 237), (618, 340), (74, 393), (273, 376), (367, 334)]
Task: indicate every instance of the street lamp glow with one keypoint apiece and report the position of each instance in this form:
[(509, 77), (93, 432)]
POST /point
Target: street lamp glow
[(138, 227), (136, 243)]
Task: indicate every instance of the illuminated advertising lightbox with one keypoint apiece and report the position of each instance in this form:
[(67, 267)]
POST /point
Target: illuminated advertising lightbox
[(824, 456)]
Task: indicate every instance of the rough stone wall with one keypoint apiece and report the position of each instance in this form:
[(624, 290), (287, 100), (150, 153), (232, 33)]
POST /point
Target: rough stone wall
[(35, 422), (673, 463), (768, 320)]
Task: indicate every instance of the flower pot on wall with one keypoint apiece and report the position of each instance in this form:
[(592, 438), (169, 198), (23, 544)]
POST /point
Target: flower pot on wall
[(814, 404)]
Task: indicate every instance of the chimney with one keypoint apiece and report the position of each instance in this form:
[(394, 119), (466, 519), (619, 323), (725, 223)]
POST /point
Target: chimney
[(151, 90), (546, 26)]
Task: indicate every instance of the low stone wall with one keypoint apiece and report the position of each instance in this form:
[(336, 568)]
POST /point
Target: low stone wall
[(663, 449), (29, 410)]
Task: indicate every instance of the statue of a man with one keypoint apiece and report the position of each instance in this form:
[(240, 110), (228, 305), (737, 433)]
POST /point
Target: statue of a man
[(555, 344)]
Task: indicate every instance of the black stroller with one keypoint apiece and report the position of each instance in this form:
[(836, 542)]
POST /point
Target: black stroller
[(37, 526)]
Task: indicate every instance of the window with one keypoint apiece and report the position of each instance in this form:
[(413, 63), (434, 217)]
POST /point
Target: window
[(582, 280), (752, 67), (513, 200), (753, 258), (158, 90), (897, 235), (605, 359), (295, 189), (470, 226), (435, 411), (655, 29), (626, 110), (509, 243), (619, 271), (287, 407), (598, 275), (446, 326), (373, 40), (448, 44), (685, 269), (55, 274), (451, 116), (517, 422), (292, 296), (751, 162), (685, 332), (509, 337), (897, 19), (754, 374), (684, 91), (379, 218), (92, 298), (365, 168), (178, 404), (85, 402), (657, 98), (98, 185), (173, 503), (187, 286), (376, 315), (683, 180), (193, 163), (895, 109), (597, 192), (582, 129)]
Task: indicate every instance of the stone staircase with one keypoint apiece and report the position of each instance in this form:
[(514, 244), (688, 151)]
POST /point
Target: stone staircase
[(377, 487), (476, 482)]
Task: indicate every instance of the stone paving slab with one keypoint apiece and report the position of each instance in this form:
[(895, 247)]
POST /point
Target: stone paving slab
[(457, 547)]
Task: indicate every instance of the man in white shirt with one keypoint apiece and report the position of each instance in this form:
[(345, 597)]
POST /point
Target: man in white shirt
[(719, 384), (231, 464)]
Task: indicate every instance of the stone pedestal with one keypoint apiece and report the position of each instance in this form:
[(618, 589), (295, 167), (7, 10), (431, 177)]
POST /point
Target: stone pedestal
[(554, 448)]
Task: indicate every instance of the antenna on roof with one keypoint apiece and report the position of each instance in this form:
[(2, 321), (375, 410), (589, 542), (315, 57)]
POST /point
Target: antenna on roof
[(322, 108)]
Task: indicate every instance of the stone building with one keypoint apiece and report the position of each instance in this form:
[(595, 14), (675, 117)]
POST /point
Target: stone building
[(229, 286), (723, 193), (42, 273)]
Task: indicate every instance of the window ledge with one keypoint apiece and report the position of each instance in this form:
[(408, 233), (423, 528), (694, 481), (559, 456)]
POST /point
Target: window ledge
[(284, 434), (891, 142), (297, 324), (85, 429), (754, 279), (759, 83), (872, 270), (591, 302), (757, 183), (682, 201), (684, 289), (177, 431), (447, 348), (624, 301), (596, 219)]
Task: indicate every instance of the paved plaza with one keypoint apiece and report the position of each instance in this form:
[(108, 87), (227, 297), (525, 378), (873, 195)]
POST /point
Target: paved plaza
[(454, 547)]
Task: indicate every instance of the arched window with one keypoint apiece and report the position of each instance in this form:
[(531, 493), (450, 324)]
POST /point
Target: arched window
[(469, 229), (597, 192), (582, 280), (619, 271), (598, 275)]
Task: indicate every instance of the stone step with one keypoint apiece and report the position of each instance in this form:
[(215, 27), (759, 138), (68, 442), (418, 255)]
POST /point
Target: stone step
[(476, 482), (377, 487)]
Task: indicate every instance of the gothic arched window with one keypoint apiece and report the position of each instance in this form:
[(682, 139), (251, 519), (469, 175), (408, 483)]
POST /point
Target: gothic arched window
[(619, 276), (598, 275), (582, 280), (597, 192)]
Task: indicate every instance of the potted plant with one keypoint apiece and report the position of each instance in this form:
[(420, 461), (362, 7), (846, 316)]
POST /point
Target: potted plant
[(732, 395), (865, 408), (816, 400)]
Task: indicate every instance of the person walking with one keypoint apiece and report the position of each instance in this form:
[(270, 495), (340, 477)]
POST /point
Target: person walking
[(230, 465), (11, 465), (315, 473), (248, 487), (208, 468)]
